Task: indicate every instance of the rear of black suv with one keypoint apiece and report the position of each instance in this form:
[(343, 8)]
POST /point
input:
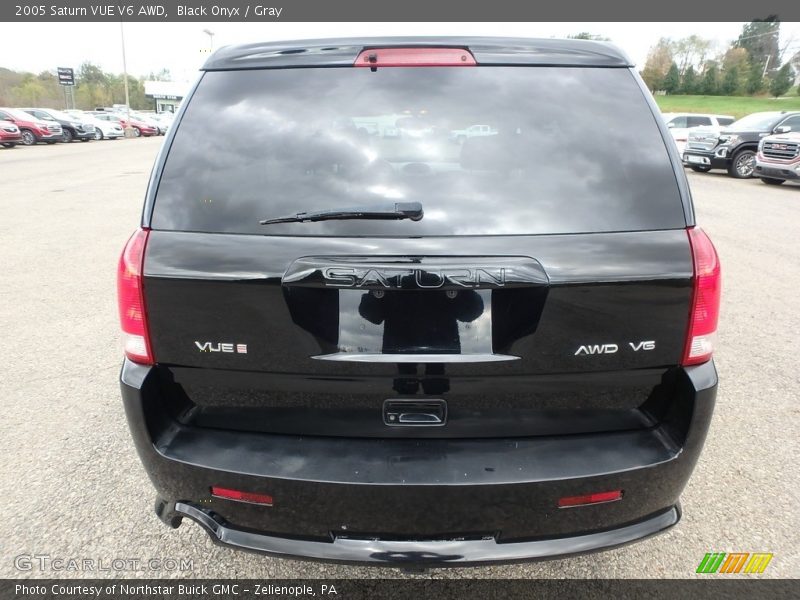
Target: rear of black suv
[(352, 336)]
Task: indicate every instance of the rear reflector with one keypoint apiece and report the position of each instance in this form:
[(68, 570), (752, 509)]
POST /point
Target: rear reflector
[(705, 300), (239, 496), (597, 498), (130, 295), (415, 57)]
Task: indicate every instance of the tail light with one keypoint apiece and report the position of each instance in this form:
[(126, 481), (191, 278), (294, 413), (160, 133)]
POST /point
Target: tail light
[(704, 313), (588, 499), (240, 496), (130, 295), (415, 57)]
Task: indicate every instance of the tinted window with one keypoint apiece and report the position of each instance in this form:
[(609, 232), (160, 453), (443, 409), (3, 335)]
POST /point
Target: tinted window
[(793, 122), (558, 155), (678, 122), (725, 120), (698, 121)]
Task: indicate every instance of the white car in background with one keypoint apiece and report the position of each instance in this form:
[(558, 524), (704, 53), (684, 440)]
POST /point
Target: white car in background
[(109, 130), (473, 131), (679, 124)]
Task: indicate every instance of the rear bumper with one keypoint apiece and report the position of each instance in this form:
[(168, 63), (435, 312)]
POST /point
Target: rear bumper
[(420, 501), (430, 552)]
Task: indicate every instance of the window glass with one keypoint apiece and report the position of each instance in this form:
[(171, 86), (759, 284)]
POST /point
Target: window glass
[(556, 155)]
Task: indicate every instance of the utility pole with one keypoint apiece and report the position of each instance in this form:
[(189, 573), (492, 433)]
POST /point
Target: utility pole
[(766, 64), (128, 129), (210, 35)]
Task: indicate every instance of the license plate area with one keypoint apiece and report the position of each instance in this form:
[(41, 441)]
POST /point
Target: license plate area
[(391, 322), (697, 160)]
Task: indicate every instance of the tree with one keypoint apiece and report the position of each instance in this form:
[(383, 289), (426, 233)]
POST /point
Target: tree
[(672, 81), (92, 74), (782, 81), (165, 75), (657, 64), (710, 84), (761, 39), (689, 84), (730, 82), (30, 92), (690, 51), (755, 80)]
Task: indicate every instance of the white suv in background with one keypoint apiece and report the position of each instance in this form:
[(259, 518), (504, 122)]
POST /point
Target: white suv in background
[(679, 124)]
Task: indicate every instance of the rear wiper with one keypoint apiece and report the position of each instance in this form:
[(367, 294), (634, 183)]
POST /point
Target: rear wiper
[(395, 211)]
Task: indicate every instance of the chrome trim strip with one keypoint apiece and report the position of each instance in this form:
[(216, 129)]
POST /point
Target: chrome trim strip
[(370, 357)]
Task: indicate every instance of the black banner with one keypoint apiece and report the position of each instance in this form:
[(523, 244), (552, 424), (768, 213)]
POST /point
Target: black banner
[(713, 587), (402, 10)]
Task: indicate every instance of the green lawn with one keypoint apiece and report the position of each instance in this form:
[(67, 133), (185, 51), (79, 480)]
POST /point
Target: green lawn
[(738, 106)]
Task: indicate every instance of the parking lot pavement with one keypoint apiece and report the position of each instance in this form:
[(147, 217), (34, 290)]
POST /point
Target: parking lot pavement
[(72, 483)]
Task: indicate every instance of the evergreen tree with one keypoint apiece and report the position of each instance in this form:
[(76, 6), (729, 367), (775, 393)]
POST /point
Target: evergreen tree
[(689, 85), (730, 82), (755, 80), (672, 81), (710, 83), (761, 39), (782, 81)]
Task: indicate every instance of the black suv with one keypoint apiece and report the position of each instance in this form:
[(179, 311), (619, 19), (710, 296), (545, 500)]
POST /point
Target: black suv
[(734, 148), (72, 128), (352, 340)]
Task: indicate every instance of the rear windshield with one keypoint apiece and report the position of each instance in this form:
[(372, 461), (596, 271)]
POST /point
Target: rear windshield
[(486, 150)]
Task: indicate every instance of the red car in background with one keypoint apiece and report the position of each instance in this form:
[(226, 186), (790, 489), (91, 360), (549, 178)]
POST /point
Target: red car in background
[(140, 128), (10, 135), (32, 129)]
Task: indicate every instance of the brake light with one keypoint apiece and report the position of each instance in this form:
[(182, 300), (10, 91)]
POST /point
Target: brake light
[(415, 57), (587, 499), (704, 313), (130, 295), (240, 496)]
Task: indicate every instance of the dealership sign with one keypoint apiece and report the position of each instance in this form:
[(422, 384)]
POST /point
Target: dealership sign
[(66, 76)]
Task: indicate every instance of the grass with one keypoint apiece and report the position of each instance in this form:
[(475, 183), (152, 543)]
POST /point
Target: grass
[(738, 106)]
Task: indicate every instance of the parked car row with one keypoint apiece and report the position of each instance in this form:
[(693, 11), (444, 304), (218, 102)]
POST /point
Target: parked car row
[(680, 124), (31, 125), (763, 144)]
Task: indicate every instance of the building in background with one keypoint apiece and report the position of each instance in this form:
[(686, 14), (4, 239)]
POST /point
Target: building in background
[(166, 95)]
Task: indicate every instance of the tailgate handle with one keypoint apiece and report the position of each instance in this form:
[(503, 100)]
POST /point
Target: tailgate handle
[(414, 412)]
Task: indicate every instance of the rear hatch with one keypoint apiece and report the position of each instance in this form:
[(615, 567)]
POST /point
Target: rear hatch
[(546, 290)]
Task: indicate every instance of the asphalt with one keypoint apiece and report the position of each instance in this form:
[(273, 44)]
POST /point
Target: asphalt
[(73, 487)]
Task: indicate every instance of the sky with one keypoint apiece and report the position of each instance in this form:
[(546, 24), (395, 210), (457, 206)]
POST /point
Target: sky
[(183, 47)]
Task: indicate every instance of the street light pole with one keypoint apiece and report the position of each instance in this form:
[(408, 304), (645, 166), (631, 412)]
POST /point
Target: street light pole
[(128, 129)]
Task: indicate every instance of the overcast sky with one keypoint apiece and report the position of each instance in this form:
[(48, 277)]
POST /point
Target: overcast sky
[(182, 47)]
